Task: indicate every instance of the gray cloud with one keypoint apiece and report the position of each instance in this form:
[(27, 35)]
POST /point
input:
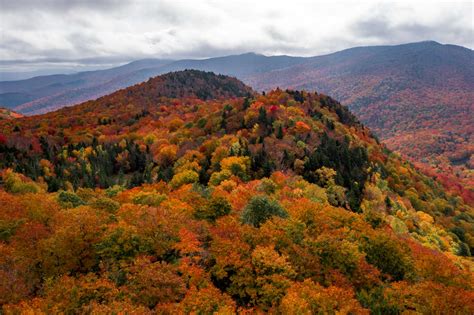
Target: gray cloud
[(373, 27), (275, 34), (79, 33), (60, 5), (14, 43), (85, 61), (380, 28), (453, 25)]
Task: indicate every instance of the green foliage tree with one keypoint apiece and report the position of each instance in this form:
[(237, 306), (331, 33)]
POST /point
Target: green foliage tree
[(69, 199), (215, 208), (14, 184), (149, 198), (106, 204), (260, 209), (390, 256), (184, 177)]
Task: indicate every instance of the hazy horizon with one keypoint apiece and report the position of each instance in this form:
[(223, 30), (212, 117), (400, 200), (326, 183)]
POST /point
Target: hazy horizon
[(61, 69)]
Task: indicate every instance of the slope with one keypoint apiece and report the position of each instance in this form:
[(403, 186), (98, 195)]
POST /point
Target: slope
[(221, 200), (418, 98)]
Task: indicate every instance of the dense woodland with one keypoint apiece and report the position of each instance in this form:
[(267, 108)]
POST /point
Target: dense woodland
[(418, 98), (220, 201)]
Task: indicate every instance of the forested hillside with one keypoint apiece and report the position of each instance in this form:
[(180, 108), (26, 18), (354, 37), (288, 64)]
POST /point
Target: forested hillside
[(417, 98), (191, 193)]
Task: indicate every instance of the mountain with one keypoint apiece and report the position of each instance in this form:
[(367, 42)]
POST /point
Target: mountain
[(417, 98), (55, 91), (47, 93), (190, 193)]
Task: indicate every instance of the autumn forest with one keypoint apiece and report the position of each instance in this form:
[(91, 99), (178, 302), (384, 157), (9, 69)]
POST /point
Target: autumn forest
[(192, 193)]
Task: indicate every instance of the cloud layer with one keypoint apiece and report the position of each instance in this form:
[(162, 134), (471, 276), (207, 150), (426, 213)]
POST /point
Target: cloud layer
[(105, 32)]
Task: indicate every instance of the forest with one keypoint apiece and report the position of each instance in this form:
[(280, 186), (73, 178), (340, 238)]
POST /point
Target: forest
[(191, 193)]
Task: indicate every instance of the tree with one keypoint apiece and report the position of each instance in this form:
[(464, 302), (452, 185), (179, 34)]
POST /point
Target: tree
[(150, 283), (70, 249), (390, 256), (308, 297), (18, 184), (166, 155), (213, 209), (69, 199), (260, 209), (237, 165), (279, 134), (431, 298), (185, 177), (206, 300), (273, 275)]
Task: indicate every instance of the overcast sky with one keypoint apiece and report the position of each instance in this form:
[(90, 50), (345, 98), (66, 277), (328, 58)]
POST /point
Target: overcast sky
[(37, 34)]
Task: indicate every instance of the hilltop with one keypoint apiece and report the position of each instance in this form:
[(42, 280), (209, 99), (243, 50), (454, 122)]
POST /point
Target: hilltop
[(159, 199)]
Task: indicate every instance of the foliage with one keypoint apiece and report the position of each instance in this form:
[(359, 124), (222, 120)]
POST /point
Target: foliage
[(106, 204), (260, 209), (310, 298), (69, 199), (389, 256), (213, 209), (16, 184), (163, 209), (185, 177), (148, 198)]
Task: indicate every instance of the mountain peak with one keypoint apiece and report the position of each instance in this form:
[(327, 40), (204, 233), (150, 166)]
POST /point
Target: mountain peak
[(195, 83), (250, 53), (428, 42)]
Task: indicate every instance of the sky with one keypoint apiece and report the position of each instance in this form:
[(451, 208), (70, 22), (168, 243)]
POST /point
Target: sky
[(72, 35)]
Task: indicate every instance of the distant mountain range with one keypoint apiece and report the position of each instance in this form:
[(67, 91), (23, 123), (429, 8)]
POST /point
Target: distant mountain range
[(46, 93), (418, 98)]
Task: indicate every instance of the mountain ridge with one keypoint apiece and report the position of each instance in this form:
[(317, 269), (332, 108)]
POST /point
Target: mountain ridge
[(252, 62), (419, 91)]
